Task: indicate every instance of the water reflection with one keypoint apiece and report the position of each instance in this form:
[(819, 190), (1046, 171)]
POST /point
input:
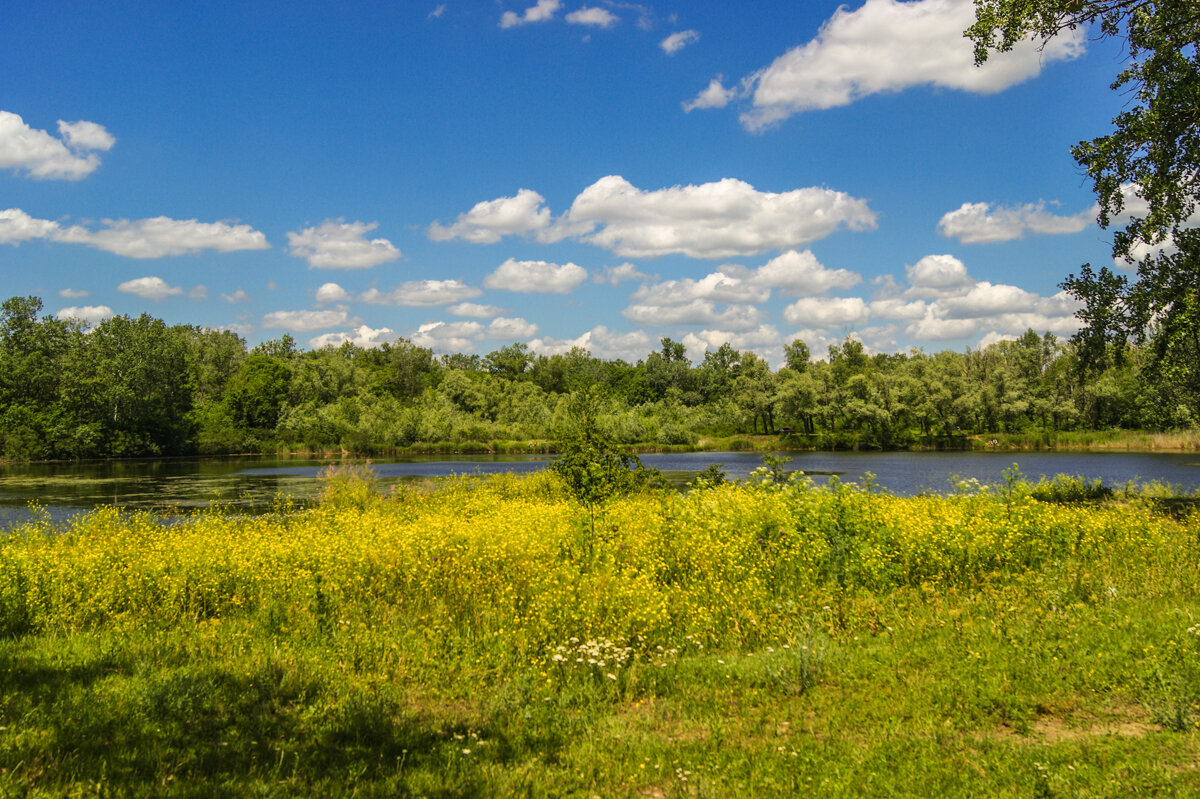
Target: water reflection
[(253, 485)]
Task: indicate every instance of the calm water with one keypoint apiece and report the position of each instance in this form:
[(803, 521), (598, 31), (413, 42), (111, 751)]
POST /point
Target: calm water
[(253, 484)]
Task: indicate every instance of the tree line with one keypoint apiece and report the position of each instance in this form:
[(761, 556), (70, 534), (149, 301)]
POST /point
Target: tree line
[(134, 387)]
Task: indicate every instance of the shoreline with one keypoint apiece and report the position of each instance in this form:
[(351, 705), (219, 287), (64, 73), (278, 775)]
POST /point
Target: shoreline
[(1187, 441)]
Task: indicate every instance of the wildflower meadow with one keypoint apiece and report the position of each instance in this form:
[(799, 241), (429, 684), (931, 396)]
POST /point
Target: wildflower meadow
[(493, 637)]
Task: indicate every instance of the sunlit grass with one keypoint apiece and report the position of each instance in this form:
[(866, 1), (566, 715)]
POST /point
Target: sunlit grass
[(465, 637)]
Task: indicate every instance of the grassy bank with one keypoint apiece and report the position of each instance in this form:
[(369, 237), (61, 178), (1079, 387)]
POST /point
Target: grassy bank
[(470, 637)]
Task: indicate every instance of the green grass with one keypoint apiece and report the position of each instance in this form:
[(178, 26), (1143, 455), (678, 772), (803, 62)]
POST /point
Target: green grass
[(1072, 673)]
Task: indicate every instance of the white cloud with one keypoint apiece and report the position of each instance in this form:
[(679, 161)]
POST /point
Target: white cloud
[(615, 275), (764, 339), (237, 297), (437, 12), (696, 312), (422, 294), (715, 95), (341, 245), (331, 292), (17, 226), (601, 343), (713, 220), (801, 272), (827, 312), (511, 329), (307, 321), (198, 292), (91, 314), (362, 336), (150, 288), (489, 221), (85, 136), (72, 294), (41, 155), (594, 16), (936, 274), (895, 308), (795, 272), (976, 223), (722, 219), (715, 286), (543, 11), (677, 41), (889, 46), (448, 336), (943, 302), (160, 236), (987, 299), (475, 310), (540, 277)]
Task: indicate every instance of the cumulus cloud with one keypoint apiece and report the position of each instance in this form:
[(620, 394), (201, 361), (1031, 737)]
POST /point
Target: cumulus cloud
[(715, 95), (794, 272), (71, 156), (150, 288), (422, 294), (72, 294), (514, 329), (331, 292), (17, 226), (889, 46), (543, 11), (936, 274), (715, 286), (950, 304), (489, 221), (594, 16), (713, 220), (722, 219), (448, 336), (362, 336), (307, 321), (238, 297), (90, 314), (801, 273), (677, 41), (696, 312), (601, 342), (616, 275), (475, 310), (978, 223), (827, 312), (541, 277), (160, 236), (341, 245), (198, 292), (897, 308), (762, 339)]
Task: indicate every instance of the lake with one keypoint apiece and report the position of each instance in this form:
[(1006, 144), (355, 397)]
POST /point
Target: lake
[(252, 484)]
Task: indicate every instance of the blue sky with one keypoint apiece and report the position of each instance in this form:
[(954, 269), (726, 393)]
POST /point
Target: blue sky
[(555, 172)]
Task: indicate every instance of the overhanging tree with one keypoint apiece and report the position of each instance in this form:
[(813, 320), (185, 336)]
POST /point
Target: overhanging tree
[(1146, 175)]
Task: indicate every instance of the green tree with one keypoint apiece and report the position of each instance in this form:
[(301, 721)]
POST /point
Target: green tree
[(1146, 172), (130, 381), (590, 462)]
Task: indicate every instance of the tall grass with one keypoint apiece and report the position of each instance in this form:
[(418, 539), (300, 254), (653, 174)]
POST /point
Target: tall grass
[(467, 636)]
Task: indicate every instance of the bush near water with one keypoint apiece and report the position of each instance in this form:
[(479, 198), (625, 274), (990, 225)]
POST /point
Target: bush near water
[(477, 637)]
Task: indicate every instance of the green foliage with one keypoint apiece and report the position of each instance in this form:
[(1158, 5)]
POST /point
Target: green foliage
[(590, 462), (1145, 171)]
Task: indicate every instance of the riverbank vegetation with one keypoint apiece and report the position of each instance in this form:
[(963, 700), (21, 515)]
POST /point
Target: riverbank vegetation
[(479, 637), (139, 387)]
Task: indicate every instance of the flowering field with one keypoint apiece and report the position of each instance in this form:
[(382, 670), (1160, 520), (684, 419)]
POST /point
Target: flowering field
[(475, 637)]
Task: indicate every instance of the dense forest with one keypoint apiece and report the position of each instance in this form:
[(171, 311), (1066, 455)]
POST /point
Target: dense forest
[(139, 387)]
